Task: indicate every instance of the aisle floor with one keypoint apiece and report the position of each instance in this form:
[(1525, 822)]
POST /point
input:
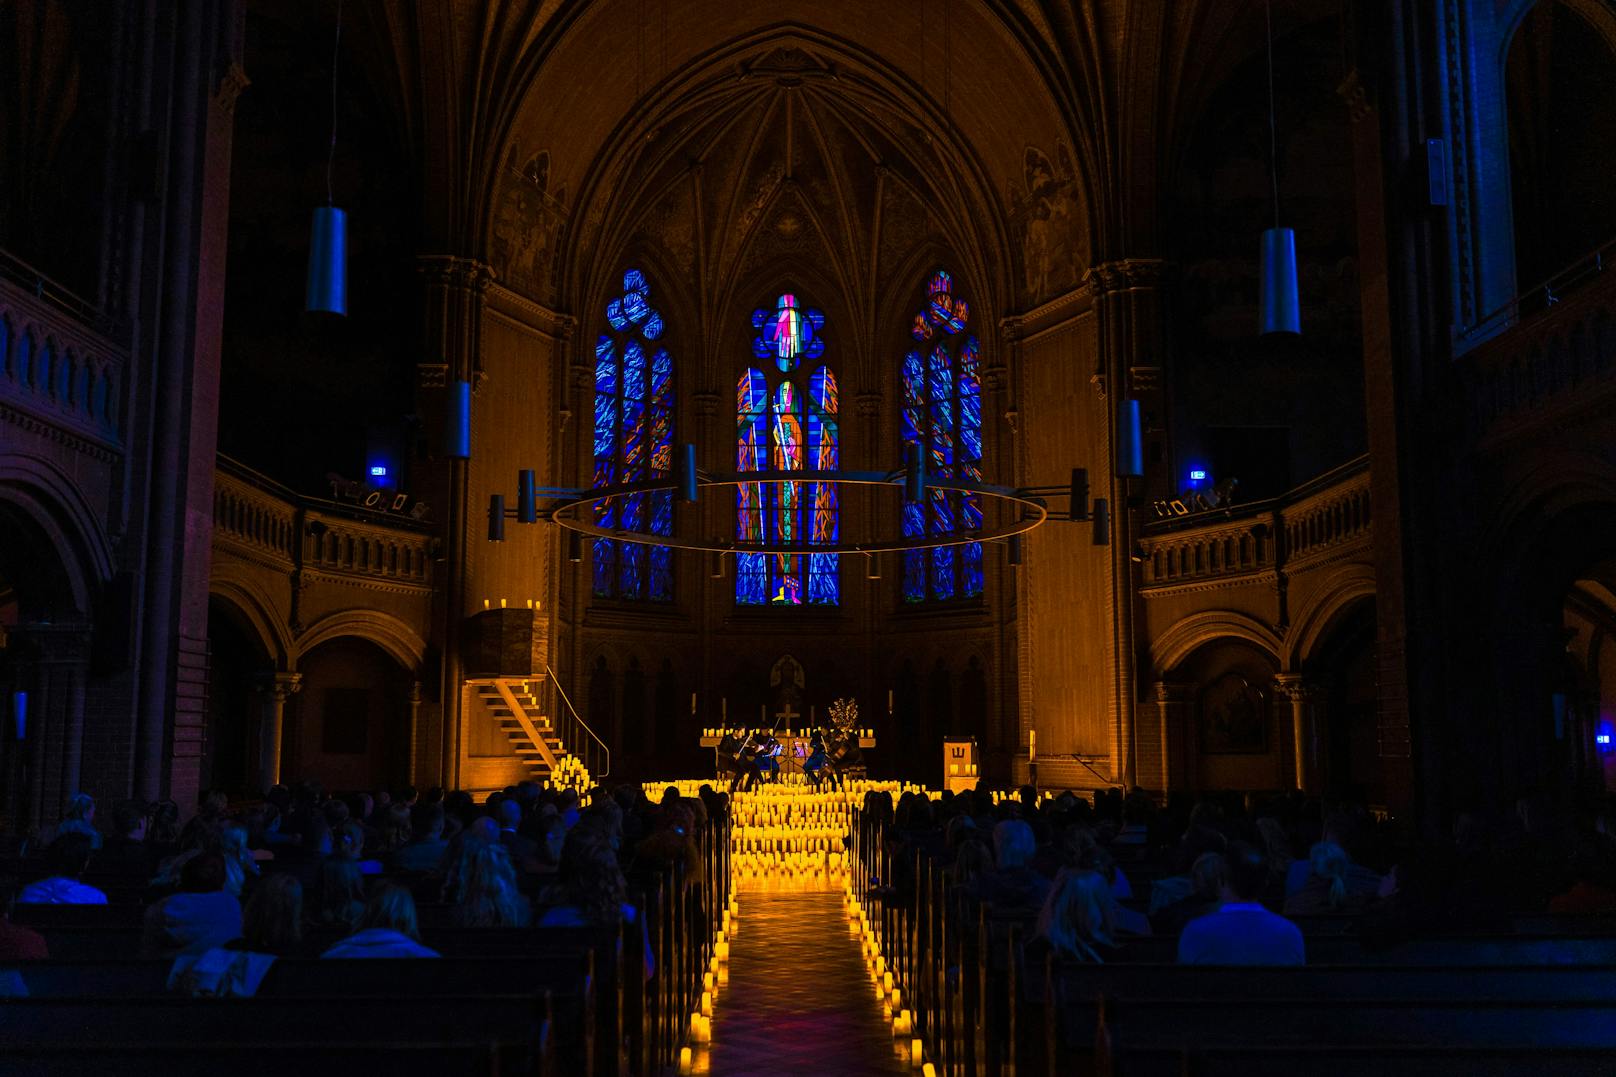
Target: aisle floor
[(799, 999)]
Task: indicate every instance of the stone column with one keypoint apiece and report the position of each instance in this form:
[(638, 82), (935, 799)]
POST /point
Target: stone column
[(1305, 697), (415, 726), (277, 688), (1164, 744)]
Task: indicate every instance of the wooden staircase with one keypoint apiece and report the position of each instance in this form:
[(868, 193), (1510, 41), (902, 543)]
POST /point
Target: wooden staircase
[(513, 705)]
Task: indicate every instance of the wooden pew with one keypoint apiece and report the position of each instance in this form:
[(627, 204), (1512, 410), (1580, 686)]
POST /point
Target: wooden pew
[(253, 1058)]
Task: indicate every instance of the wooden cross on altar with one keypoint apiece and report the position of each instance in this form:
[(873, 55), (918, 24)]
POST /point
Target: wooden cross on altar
[(786, 714)]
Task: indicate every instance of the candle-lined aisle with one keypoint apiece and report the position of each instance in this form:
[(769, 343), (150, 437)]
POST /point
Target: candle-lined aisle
[(798, 997)]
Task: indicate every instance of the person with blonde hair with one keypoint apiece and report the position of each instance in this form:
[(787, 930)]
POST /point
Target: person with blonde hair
[(387, 929), (1079, 919), (1334, 883), (486, 894)]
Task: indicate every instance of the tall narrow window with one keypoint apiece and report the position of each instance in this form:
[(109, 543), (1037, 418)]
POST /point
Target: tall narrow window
[(785, 422), (633, 443), (942, 413)]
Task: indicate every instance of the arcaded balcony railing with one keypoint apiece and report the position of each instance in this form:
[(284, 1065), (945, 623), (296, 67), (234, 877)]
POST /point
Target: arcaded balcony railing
[(55, 362), (1560, 342), (264, 519), (1314, 520)]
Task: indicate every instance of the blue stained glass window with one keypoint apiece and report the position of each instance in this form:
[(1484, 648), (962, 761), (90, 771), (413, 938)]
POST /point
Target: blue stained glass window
[(633, 442), (942, 414), (787, 424)]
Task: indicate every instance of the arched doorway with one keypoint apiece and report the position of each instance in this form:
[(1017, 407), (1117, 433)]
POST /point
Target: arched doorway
[(237, 665), (349, 725), (1230, 731), (1342, 667), (45, 651)]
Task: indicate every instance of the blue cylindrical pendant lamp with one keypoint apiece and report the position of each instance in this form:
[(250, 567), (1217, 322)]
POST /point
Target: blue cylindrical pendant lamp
[(1280, 303), (527, 509), (457, 422), (914, 474), (496, 517), (327, 291), (687, 473), (1130, 440)]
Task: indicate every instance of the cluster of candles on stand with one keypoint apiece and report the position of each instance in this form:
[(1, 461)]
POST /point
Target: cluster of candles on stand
[(715, 978), (570, 773), (724, 731), (887, 987), (507, 603)]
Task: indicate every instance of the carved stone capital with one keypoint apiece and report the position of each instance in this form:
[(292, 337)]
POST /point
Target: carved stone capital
[(1145, 379), (1355, 96), (280, 687), (1126, 274), (432, 375), (867, 405), (453, 271), (233, 80), (994, 377), (1173, 692), (706, 401), (1297, 688)]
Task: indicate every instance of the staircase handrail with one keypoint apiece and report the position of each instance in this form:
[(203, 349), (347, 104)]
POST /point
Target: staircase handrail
[(576, 717)]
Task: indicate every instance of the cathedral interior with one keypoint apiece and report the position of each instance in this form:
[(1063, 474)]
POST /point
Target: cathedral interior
[(1368, 560)]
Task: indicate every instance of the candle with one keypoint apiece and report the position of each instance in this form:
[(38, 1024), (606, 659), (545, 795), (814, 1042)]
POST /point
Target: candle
[(702, 1028), (686, 1062), (1032, 745), (915, 1052), (502, 603), (889, 701), (928, 1070), (706, 1003), (485, 603), (692, 703)]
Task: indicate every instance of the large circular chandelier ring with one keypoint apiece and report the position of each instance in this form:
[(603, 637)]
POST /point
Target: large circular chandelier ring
[(565, 512)]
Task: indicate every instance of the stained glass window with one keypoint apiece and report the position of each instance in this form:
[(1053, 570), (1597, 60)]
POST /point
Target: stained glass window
[(942, 413), (786, 421), (633, 442)]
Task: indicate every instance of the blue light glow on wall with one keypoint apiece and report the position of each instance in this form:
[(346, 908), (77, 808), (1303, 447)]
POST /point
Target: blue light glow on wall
[(378, 471)]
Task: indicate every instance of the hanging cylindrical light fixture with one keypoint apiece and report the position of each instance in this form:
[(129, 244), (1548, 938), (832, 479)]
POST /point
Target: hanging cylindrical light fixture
[(1102, 522), (327, 288), (496, 517), (457, 422), (575, 546), (914, 474), (326, 291), (1130, 440), (687, 473), (715, 567), (527, 509), (1279, 302), (1013, 550), (872, 566)]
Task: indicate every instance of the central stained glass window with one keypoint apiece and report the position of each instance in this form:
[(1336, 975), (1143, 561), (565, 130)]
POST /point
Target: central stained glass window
[(786, 421)]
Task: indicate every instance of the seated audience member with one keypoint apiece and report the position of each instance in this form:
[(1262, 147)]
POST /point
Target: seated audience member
[(212, 805), (201, 916), (272, 923), (1241, 931), (80, 819), (1340, 829), (387, 929), (524, 851), (592, 890), (1197, 840), (1013, 885), (425, 849), (17, 943), (1078, 920), (239, 865), (486, 894), (163, 829), (342, 894), (1334, 884), (551, 834), (1210, 874), (395, 829), (125, 850), (68, 856)]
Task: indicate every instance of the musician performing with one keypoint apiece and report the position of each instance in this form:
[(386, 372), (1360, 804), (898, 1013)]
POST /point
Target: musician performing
[(830, 753)]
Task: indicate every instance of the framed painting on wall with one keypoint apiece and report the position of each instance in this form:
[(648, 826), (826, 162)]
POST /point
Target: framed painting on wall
[(1233, 717)]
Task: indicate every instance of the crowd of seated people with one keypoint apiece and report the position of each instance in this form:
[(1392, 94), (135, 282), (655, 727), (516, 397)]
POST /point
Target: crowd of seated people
[(304, 874), (1226, 878)]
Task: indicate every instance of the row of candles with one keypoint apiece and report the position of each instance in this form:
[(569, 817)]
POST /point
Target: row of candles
[(725, 731), (887, 986), (713, 979)]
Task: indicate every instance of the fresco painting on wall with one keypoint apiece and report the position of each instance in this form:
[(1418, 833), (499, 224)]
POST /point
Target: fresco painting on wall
[(1232, 717), (527, 224), (1047, 217)]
